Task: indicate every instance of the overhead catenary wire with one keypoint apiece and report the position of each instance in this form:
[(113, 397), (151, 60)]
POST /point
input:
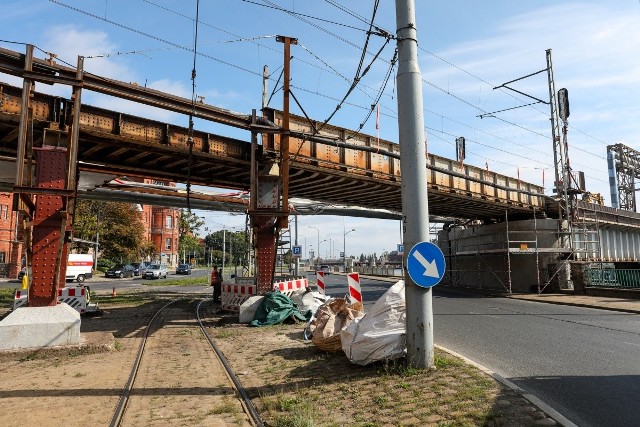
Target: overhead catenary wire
[(248, 70), (291, 12), (359, 74), (357, 16), (235, 65)]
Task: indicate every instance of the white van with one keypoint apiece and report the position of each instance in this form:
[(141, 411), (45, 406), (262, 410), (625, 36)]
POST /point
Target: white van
[(79, 267)]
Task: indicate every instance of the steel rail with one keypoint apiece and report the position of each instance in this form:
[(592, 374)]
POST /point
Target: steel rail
[(121, 407), (251, 409), (124, 397)]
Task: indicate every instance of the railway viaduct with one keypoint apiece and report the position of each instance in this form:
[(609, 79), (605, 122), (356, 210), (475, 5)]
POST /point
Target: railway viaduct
[(54, 149)]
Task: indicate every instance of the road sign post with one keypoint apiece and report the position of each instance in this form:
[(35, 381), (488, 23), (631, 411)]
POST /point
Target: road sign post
[(413, 164), (296, 251)]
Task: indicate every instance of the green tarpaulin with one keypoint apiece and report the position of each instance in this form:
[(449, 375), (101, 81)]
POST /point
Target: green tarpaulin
[(275, 308)]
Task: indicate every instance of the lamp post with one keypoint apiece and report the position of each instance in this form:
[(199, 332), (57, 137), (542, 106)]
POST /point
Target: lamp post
[(344, 248), (322, 241), (318, 248)]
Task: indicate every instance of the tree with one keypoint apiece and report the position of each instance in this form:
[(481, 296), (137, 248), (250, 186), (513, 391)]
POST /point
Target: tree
[(118, 225), (236, 245), (189, 223), (147, 250), (189, 246), (188, 243)]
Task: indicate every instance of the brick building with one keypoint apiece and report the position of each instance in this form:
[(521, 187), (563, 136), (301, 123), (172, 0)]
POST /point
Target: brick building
[(161, 227), (10, 238)]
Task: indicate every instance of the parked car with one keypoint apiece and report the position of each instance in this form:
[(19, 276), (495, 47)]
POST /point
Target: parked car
[(22, 273), (156, 271), (183, 269), (139, 268), (120, 270), (325, 269)]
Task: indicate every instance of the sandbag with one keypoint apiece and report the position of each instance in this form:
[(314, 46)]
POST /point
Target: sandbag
[(331, 317), (381, 333)]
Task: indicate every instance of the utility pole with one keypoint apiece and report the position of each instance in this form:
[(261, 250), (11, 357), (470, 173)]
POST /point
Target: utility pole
[(284, 141), (413, 163)]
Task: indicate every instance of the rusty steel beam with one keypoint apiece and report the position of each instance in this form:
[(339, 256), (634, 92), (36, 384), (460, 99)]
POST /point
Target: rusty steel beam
[(11, 62), (226, 162)]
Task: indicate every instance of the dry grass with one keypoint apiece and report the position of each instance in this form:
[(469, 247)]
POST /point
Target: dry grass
[(296, 385)]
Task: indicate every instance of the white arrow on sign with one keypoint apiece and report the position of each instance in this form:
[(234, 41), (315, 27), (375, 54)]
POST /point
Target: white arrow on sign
[(430, 268)]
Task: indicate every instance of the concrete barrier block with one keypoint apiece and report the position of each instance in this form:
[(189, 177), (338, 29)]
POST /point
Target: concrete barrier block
[(37, 327), (248, 309)]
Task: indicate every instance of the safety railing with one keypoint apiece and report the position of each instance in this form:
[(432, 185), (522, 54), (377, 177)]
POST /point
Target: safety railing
[(614, 278)]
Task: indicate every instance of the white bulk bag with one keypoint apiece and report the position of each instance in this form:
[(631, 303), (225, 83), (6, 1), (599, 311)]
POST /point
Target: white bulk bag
[(381, 333)]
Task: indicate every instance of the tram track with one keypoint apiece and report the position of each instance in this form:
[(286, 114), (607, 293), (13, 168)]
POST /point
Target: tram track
[(173, 367)]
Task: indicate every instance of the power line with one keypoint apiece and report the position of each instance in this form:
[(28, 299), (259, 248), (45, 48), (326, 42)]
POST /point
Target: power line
[(290, 12), (253, 72)]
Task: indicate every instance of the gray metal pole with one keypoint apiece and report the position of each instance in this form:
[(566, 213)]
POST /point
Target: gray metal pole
[(296, 260), (413, 163), (224, 244)]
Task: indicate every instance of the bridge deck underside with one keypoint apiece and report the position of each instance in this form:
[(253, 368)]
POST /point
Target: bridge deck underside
[(116, 143)]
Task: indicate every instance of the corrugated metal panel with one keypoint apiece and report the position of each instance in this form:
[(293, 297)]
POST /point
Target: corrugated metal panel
[(619, 244)]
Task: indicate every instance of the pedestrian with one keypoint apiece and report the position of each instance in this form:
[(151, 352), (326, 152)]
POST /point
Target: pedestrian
[(216, 282)]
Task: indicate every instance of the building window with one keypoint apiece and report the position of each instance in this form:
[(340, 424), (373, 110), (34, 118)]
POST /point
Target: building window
[(169, 221), (167, 244), (2, 257), (5, 211)]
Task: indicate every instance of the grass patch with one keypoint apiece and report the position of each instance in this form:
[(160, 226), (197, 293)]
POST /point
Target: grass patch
[(289, 411), (224, 334), (443, 362), (185, 281), (225, 408), (6, 296), (134, 299)]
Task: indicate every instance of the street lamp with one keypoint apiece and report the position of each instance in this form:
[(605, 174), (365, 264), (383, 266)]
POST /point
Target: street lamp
[(318, 230), (322, 241), (344, 248)]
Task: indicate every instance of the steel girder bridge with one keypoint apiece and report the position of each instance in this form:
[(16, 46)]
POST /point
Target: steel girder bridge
[(52, 148)]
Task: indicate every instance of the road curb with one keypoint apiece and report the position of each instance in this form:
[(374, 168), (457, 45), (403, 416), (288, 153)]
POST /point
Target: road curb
[(551, 413), (579, 304)]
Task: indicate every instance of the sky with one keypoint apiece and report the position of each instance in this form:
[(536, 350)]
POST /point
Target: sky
[(466, 48)]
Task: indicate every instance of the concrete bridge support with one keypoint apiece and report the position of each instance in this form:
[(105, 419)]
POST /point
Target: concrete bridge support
[(515, 256)]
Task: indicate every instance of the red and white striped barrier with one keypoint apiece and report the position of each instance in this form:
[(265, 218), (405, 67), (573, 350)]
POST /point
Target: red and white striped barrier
[(235, 294), (76, 297), (288, 287), (320, 282), (20, 298), (354, 286)]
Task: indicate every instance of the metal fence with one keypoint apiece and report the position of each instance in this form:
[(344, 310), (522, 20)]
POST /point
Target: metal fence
[(614, 278)]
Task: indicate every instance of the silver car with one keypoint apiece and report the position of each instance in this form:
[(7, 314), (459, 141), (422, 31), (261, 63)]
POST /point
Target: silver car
[(156, 271)]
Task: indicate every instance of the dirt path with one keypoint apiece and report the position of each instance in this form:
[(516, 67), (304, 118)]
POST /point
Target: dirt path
[(181, 382)]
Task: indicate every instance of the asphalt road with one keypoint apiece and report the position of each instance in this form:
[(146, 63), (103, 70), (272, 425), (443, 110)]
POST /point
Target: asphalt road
[(584, 363)]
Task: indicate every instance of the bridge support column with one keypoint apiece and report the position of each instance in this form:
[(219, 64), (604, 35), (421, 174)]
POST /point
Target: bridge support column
[(49, 227)]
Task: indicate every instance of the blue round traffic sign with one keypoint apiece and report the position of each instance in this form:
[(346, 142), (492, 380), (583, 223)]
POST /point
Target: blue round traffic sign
[(425, 264)]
